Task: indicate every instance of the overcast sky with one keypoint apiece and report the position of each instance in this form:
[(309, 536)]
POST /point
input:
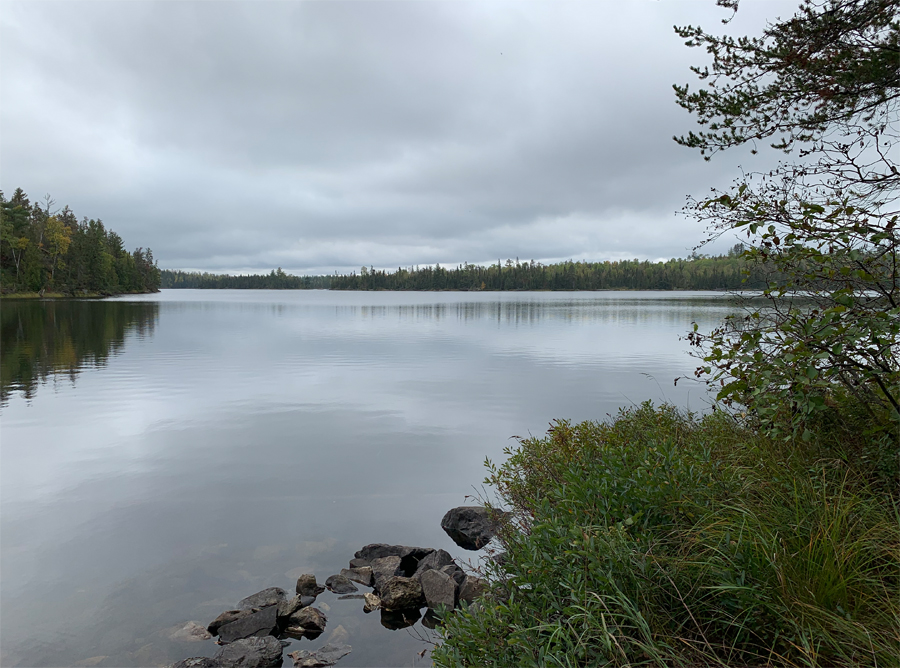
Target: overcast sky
[(321, 136)]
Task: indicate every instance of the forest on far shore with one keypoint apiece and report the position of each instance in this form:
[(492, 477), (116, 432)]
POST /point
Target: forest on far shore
[(47, 251), (724, 272)]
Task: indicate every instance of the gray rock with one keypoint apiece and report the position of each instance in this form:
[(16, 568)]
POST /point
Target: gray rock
[(351, 597), (472, 527), (454, 572), (307, 620), (472, 588), (328, 655), (358, 563), (339, 584), (289, 607), (400, 593), (226, 618), (372, 602), (431, 619), (362, 575), (439, 589), (190, 632), (251, 653), (307, 586), (270, 596), (197, 662), (259, 623), (437, 559), (384, 568), (409, 556)]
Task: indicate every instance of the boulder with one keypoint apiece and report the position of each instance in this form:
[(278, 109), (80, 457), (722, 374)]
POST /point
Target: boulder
[(327, 655), (362, 575), (399, 619), (259, 623), (472, 527), (439, 589), (307, 620), (372, 602), (195, 662), (409, 556), (437, 559), (339, 584), (289, 607), (472, 588), (358, 563), (400, 593), (270, 596), (384, 568), (190, 632), (251, 653), (454, 572), (307, 585), (225, 618)]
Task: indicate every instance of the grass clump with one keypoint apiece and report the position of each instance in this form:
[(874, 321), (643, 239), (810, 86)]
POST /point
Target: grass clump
[(664, 539)]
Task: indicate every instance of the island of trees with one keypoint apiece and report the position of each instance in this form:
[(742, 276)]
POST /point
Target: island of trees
[(44, 252)]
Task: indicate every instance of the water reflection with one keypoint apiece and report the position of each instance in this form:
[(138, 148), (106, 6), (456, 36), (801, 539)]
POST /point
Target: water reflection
[(39, 339)]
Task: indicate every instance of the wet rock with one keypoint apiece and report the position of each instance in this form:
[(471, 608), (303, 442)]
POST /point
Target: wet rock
[(472, 527), (339, 584), (193, 662), (385, 568), (472, 588), (349, 597), (362, 575), (251, 653), (307, 620), (400, 593), (339, 636), (439, 589), (328, 655), (270, 596), (225, 618), (259, 623), (190, 632), (437, 559), (289, 607), (399, 619), (307, 585), (372, 602)]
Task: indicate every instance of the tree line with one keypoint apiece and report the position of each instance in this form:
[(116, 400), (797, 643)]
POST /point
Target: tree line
[(44, 250), (277, 279)]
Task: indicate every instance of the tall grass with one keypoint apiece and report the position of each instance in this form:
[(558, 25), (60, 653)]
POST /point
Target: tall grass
[(663, 539)]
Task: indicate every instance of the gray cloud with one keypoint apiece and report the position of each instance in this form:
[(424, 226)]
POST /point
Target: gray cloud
[(323, 135)]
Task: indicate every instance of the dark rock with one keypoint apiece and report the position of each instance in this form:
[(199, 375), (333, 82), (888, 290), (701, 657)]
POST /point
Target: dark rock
[(289, 607), (298, 633), (409, 556), (454, 572), (348, 597), (307, 620), (197, 662), (439, 589), (472, 588), (358, 563), (226, 618), (362, 575), (327, 655), (399, 619), (384, 568), (259, 623), (437, 559), (270, 596), (472, 527), (251, 653), (307, 586), (400, 593), (432, 619), (339, 584)]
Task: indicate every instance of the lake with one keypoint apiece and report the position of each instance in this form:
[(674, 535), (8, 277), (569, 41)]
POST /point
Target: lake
[(166, 455)]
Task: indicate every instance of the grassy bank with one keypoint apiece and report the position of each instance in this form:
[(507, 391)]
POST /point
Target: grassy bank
[(663, 539)]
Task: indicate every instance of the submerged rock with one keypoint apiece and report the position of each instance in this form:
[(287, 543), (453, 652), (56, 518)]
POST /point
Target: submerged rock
[(328, 655), (251, 653), (270, 596), (400, 593), (307, 585), (472, 527), (259, 623), (190, 632), (339, 584)]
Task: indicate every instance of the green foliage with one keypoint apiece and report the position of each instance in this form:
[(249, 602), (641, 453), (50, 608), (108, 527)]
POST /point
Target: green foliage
[(661, 539), (42, 250), (822, 232), (276, 280)]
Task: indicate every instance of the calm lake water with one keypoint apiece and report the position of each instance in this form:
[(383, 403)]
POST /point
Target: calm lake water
[(164, 456)]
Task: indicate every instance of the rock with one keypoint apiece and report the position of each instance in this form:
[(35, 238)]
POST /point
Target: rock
[(439, 589), (270, 596), (307, 586), (409, 556), (339, 636), (399, 619), (289, 607), (400, 593), (454, 572), (225, 618), (472, 588), (339, 584), (372, 602), (259, 623), (362, 575), (190, 632), (431, 619), (328, 655), (251, 653), (193, 662), (472, 527), (307, 619), (384, 568), (350, 597), (358, 563), (436, 559)]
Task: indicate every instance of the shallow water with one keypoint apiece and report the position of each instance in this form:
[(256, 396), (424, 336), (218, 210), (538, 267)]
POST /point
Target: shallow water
[(163, 456)]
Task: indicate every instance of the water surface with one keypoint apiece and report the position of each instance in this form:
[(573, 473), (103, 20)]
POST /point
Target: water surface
[(164, 456)]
